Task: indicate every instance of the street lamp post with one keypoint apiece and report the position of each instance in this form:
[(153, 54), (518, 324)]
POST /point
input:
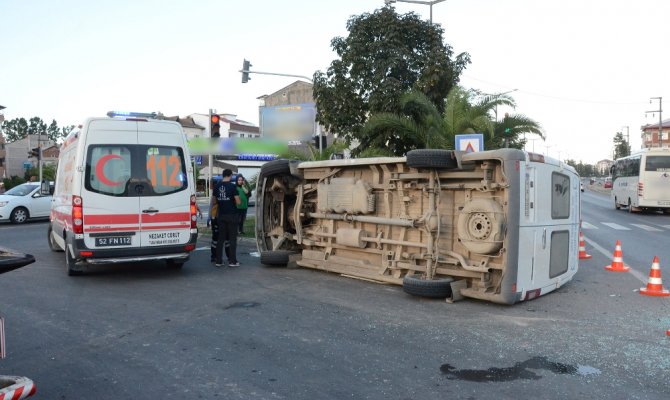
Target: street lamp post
[(660, 118), (429, 3)]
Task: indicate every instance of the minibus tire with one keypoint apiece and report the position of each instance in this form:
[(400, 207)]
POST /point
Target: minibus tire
[(435, 288), (275, 258), (53, 246), (431, 158), (71, 263), (275, 167)]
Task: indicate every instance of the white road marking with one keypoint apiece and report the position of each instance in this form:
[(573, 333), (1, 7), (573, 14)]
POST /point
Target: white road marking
[(610, 254), (615, 226), (647, 228), (586, 225)]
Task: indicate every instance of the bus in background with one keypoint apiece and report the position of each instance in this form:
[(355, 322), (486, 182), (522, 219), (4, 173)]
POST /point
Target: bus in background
[(641, 181)]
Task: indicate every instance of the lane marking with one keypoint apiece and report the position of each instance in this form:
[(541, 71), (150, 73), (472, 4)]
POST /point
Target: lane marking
[(610, 255), (615, 226), (647, 228), (586, 225)]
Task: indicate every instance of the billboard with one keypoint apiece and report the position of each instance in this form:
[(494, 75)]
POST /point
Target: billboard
[(289, 122)]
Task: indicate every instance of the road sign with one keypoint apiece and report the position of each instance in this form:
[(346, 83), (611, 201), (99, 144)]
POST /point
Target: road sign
[(27, 164), (470, 143), (198, 160)]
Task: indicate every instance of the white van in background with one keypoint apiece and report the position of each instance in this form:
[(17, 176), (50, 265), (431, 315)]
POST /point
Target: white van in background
[(124, 193)]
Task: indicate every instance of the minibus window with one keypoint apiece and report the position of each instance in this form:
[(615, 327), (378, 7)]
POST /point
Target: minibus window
[(560, 196)]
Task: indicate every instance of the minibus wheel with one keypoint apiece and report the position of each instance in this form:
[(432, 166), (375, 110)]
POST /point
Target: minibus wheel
[(276, 258), (417, 285), (431, 158)]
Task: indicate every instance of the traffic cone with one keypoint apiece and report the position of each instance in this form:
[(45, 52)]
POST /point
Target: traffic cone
[(617, 261), (655, 284), (582, 249)]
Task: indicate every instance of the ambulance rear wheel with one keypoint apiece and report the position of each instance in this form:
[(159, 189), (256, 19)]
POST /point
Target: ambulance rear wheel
[(71, 264), (175, 264), (50, 239)]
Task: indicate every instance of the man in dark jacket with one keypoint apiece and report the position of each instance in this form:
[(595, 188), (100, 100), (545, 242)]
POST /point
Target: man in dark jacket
[(226, 197)]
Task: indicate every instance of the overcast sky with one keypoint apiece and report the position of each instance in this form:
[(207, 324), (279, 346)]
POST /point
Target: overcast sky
[(583, 69)]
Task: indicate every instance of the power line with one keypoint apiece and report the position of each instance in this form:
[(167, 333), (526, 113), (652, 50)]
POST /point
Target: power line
[(572, 100)]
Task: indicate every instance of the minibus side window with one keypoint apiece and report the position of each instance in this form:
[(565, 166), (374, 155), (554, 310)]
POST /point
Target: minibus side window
[(657, 163), (560, 196)]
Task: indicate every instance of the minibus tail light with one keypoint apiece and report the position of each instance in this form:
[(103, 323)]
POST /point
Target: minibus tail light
[(640, 189), (77, 215), (194, 213)]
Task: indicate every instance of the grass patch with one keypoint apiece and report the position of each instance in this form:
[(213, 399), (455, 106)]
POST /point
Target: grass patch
[(249, 228)]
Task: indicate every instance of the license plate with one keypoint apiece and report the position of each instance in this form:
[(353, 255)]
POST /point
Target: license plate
[(113, 241)]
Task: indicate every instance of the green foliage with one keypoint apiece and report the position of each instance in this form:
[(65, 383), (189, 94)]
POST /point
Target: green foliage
[(384, 56), (418, 125), (621, 146), (19, 128), (583, 169), (48, 173), (12, 181)]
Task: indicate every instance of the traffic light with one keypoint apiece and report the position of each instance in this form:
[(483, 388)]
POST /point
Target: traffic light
[(245, 71), (214, 126), (36, 152)]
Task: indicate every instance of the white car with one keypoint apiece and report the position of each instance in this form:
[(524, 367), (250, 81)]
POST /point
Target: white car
[(24, 201)]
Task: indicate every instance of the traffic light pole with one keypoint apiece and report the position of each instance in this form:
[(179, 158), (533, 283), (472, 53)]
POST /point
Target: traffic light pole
[(276, 74), (210, 159)]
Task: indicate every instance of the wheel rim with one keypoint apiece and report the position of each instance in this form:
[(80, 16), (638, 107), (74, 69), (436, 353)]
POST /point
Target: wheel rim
[(20, 216)]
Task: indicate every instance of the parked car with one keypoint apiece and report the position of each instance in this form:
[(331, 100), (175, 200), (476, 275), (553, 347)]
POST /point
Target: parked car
[(25, 201), (581, 186), (608, 183)]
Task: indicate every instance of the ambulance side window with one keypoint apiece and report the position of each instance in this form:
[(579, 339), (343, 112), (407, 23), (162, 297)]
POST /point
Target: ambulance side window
[(560, 196), (108, 169)]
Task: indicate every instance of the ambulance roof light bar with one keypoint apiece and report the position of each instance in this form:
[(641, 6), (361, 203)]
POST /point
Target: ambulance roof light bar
[(129, 114)]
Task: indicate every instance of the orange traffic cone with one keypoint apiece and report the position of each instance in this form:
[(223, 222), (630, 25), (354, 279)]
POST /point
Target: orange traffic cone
[(655, 284), (617, 261), (582, 249)]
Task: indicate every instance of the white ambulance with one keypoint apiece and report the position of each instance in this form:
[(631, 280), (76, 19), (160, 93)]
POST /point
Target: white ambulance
[(124, 193)]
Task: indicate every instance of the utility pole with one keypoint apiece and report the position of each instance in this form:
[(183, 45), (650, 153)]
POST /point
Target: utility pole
[(660, 118)]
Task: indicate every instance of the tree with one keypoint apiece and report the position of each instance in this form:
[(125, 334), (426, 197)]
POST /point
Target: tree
[(621, 146), (419, 124), (53, 131), (19, 128), (384, 56), (15, 129)]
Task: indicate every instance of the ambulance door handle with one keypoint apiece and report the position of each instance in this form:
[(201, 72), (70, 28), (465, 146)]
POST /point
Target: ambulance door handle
[(544, 239), (150, 211)]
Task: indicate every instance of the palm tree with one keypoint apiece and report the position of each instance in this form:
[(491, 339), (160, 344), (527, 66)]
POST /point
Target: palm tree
[(466, 111), (420, 125)]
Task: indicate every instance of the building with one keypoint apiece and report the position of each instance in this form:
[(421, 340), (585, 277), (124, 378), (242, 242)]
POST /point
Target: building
[(650, 135), (231, 126), (191, 128), (17, 159), (603, 166)]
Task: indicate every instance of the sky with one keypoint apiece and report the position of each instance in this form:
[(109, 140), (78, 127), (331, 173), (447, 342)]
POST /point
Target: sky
[(583, 69)]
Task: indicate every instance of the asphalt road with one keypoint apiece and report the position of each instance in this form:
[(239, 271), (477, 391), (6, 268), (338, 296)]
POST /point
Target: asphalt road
[(148, 331)]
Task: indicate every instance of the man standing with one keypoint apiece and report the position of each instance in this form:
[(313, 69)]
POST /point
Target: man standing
[(226, 197)]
